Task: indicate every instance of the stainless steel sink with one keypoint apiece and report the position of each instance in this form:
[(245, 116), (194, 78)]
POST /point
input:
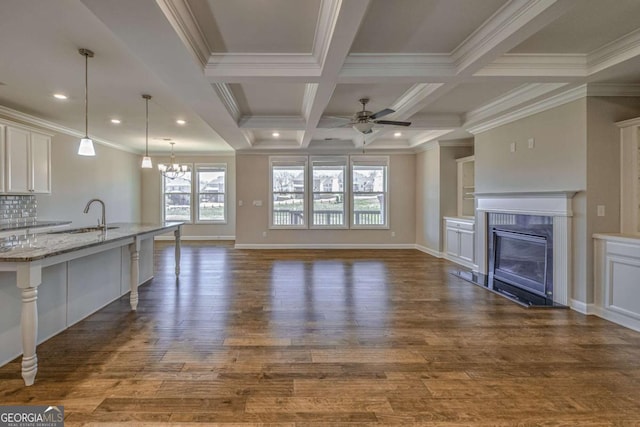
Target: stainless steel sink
[(82, 230)]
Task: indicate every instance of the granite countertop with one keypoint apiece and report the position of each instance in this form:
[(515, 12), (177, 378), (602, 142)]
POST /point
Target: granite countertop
[(32, 224), (33, 247)]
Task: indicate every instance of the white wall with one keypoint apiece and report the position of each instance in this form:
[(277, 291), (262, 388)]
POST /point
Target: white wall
[(252, 221), (152, 197), (112, 175)]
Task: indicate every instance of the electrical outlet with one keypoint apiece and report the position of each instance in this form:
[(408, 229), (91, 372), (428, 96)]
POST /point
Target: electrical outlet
[(600, 209), (513, 147), (393, 234), (264, 234), (240, 203), (532, 142)]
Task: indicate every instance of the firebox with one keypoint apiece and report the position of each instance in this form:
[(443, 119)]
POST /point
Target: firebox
[(521, 256)]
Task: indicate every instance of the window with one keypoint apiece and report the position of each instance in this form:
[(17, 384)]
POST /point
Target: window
[(342, 194), (211, 189), (288, 192), (177, 198), (328, 176), (369, 199)]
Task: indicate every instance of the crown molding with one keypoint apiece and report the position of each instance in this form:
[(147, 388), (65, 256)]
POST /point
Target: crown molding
[(412, 97), (237, 67), (512, 99), (510, 19), (310, 90), (622, 49), (536, 65), (325, 27), (613, 89), (562, 98), (272, 122), (428, 136), (181, 18), (228, 100), (55, 127), (384, 67)]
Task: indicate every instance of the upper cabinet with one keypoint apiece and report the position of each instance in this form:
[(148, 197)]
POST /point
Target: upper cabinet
[(27, 161), (630, 176), (466, 187)]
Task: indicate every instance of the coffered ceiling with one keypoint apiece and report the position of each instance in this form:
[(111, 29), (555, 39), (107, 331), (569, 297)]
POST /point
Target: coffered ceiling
[(288, 74)]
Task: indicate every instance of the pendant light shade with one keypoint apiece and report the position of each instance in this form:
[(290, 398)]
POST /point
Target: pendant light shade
[(146, 160), (86, 144)]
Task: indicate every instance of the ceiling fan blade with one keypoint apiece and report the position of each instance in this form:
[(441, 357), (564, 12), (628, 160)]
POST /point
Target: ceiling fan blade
[(392, 122), (382, 113)]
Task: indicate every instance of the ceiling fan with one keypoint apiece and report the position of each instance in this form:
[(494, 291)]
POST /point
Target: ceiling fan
[(363, 121)]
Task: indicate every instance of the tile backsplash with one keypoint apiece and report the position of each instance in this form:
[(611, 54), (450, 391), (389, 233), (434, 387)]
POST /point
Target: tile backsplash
[(17, 210)]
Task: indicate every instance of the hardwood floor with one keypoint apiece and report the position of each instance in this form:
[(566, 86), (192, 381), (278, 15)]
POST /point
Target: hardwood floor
[(331, 338)]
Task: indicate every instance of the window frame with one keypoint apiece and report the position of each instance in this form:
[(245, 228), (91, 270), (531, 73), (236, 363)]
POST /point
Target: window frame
[(330, 161), (164, 193), (302, 161), (195, 187), (370, 161)]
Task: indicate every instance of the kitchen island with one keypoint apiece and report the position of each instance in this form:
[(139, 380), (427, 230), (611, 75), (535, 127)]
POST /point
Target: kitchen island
[(81, 271)]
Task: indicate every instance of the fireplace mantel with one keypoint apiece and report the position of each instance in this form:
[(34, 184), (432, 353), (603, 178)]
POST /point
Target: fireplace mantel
[(550, 203), (557, 204)]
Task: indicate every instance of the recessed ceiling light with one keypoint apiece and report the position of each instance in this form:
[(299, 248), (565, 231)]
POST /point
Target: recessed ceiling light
[(181, 122), (397, 134), (275, 134), (60, 96), (116, 121)]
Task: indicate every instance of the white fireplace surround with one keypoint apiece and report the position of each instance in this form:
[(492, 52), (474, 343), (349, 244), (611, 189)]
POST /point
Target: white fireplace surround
[(557, 204)]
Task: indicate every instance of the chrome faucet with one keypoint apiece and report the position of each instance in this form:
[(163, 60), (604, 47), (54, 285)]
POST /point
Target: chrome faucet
[(104, 220)]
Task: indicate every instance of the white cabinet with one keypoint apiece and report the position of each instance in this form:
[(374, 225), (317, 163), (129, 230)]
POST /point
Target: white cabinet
[(459, 240), (466, 187), (27, 162)]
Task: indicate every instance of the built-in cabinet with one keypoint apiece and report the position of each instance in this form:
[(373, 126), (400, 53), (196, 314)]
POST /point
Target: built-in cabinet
[(26, 161), (460, 240), (466, 187)]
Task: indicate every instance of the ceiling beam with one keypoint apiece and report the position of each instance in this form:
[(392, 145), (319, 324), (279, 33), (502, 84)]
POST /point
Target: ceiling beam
[(338, 25), (174, 64)]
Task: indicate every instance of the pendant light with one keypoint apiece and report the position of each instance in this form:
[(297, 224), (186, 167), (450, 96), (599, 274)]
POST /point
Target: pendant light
[(146, 160), (86, 145)]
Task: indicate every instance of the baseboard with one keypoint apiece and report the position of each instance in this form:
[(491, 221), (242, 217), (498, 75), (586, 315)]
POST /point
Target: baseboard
[(618, 318), (469, 265), (194, 238), (581, 307), (324, 246), (429, 251)]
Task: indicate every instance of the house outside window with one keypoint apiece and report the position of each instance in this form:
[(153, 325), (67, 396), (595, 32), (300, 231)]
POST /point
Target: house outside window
[(288, 180), (211, 193), (176, 196), (369, 195), (329, 198)]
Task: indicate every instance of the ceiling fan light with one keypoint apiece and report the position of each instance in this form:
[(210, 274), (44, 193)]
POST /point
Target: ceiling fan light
[(363, 127), (86, 147), (146, 162)]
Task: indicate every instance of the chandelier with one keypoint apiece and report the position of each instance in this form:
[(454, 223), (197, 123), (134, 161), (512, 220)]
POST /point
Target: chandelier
[(173, 170)]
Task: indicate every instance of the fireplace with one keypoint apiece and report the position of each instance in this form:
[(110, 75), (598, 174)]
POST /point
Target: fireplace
[(521, 256), (550, 216)]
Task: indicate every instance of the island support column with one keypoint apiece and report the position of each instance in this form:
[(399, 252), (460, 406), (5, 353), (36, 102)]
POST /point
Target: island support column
[(176, 233), (29, 277), (134, 250)]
